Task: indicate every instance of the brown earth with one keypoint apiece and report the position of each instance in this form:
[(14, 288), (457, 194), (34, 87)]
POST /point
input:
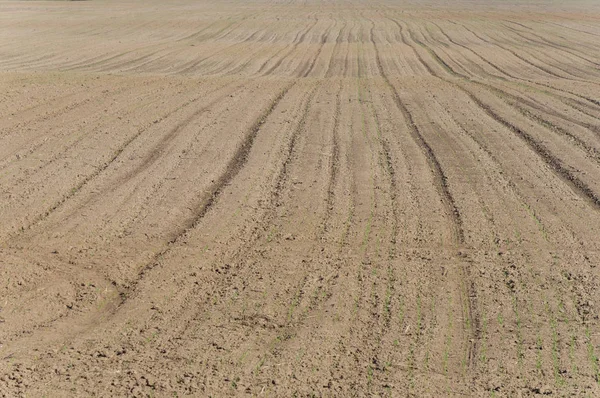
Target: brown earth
[(253, 198)]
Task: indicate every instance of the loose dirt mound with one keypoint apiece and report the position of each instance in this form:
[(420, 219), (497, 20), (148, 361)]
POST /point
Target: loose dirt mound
[(299, 199)]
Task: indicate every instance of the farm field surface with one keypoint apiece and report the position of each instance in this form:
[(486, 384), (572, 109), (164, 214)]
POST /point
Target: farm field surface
[(301, 198)]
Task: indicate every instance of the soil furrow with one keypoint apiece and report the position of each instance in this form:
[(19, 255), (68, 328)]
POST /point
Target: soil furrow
[(298, 198), (100, 169), (555, 164), (436, 168), (214, 191)]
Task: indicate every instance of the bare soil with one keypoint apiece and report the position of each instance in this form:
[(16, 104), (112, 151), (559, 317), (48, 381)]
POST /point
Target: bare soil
[(343, 198)]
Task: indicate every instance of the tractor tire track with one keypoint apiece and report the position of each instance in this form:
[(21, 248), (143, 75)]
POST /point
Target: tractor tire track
[(439, 176), (101, 169), (235, 164)]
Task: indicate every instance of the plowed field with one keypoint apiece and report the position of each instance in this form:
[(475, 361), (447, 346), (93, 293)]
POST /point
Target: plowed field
[(318, 198)]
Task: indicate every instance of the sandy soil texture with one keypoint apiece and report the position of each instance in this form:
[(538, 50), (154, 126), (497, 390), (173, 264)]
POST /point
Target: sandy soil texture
[(302, 198)]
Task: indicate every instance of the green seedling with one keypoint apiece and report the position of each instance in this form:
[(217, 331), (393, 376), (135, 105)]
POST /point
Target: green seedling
[(592, 355), (539, 346), (520, 353), (483, 349), (572, 344), (555, 352)]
